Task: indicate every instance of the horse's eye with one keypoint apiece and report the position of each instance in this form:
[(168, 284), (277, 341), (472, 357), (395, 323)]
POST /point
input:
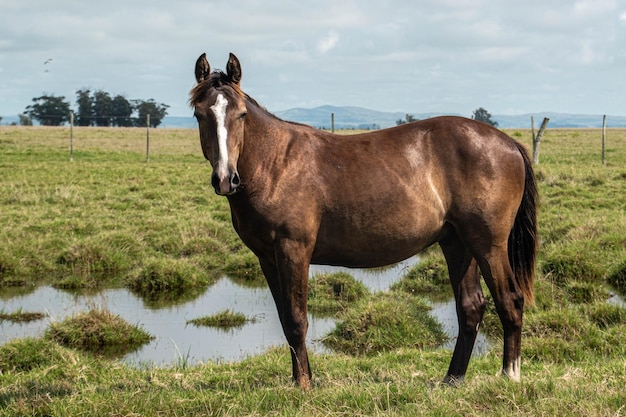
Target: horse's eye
[(243, 115)]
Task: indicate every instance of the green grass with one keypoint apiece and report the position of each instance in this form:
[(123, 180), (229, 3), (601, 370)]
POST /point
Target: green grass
[(330, 294), (109, 219), (428, 276), (20, 316), (98, 331), (384, 322), (400, 383), (224, 319)]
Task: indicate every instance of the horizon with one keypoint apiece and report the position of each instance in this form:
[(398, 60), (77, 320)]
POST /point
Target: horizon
[(374, 118)]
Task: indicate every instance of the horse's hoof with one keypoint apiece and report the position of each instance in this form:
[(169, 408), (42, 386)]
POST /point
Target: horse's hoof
[(304, 383), (454, 381)]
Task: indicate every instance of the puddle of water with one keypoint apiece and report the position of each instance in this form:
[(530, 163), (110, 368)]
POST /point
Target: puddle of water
[(174, 341), (376, 279), (177, 342), (445, 313), (616, 299)]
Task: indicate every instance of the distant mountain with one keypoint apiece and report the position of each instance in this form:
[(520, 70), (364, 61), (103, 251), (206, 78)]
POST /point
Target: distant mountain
[(347, 117), (357, 117)]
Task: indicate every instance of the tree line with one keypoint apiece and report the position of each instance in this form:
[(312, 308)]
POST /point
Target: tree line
[(97, 108)]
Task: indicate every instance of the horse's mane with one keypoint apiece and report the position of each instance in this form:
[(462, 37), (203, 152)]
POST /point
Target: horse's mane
[(218, 79)]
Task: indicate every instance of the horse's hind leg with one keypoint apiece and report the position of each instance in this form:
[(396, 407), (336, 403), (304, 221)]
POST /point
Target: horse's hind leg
[(509, 301), (470, 303)]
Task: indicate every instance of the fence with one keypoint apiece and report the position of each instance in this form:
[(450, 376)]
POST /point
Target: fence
[(72, 137), (544, 124), (146, 123)]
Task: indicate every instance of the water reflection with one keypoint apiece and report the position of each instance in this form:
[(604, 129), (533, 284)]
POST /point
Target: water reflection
[(616, 299), (174, 340), (177, 342)]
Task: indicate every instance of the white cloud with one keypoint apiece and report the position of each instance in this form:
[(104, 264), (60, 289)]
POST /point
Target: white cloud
[(429, 54), (328, 43), (587, 7)]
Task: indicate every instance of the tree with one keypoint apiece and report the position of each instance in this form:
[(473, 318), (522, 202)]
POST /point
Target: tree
[(84, 103), (409, 118), (122, 110), (156, 111), (25, 120), (49, 110), (484, 116), (102, 108)]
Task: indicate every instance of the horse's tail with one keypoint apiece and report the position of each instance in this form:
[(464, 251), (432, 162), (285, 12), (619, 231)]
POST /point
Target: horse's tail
[(523, 238)]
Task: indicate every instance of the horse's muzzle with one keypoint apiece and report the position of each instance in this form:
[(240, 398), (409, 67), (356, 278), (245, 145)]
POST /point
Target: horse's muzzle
[(226, 184)]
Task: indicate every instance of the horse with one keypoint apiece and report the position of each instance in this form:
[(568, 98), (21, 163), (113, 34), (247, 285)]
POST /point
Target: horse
[(299, 195)]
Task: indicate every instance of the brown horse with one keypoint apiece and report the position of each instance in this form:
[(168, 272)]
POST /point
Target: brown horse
[(299, 195)]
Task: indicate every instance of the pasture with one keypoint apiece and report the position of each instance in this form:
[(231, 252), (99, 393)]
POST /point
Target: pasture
[(110, 219)]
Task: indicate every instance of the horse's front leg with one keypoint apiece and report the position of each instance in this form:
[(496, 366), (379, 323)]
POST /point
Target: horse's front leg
[(290, 291)]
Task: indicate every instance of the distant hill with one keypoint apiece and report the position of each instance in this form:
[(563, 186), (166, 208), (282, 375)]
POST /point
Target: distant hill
[(357, 117), (347, 117), (563, 120)]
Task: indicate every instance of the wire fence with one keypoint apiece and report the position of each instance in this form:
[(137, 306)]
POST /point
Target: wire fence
[(146, 123), (99, 121), (103, 142)]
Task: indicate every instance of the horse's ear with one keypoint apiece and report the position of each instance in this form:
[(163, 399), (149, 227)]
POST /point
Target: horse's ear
[(203, 69), (233, 69)]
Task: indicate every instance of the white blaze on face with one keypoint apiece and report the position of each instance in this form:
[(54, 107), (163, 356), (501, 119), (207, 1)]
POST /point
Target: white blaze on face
[(219, 110)]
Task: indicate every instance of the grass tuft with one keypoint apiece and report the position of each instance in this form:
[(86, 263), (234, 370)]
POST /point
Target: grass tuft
[(166, 274), (224, 319), (428, 276), (98, 331), (20, 316), (332, 293), (383, 322), (617, 277)]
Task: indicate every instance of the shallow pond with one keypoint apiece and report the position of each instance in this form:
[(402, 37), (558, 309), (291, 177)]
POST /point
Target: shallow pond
[(177, 342)]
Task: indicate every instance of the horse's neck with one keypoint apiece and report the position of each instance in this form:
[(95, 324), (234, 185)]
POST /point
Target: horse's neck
[(265, 142)]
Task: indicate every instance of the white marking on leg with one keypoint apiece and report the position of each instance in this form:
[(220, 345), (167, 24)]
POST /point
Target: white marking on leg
[(219, 110), (513, 370)]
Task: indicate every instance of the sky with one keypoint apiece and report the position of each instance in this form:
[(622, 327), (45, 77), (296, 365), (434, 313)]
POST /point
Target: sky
[(413, 56)]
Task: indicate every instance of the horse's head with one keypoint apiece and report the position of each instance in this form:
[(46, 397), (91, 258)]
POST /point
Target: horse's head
[(220, 109)]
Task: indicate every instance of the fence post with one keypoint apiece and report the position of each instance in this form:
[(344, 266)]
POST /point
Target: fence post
[(71, 136), (332, 122), (537, 140), (532, 127), (603, 138), (148, 138)]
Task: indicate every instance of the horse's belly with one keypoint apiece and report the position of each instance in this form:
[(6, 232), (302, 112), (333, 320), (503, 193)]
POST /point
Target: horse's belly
[(370, 249)]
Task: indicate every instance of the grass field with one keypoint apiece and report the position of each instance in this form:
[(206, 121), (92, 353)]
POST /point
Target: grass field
[(109, 218)]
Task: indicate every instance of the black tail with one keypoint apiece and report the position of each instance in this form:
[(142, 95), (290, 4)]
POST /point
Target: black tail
[(523, 238)]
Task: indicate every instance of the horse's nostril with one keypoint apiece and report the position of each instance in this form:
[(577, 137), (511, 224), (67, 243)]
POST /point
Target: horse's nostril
[(235, 180), (215, 181)]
